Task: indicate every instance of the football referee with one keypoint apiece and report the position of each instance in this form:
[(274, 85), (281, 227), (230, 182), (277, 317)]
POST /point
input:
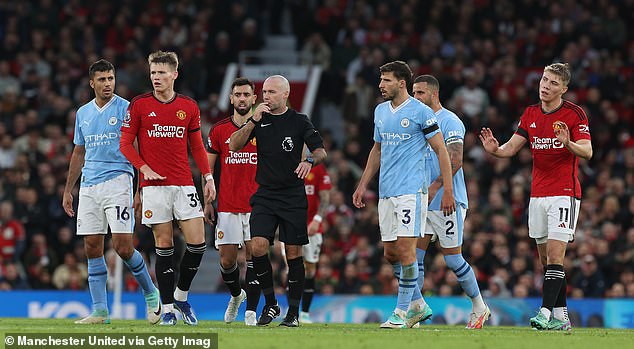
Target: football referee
[(280, 200)]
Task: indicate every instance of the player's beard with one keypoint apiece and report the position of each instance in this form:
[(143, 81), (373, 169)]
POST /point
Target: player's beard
[(243, 110)]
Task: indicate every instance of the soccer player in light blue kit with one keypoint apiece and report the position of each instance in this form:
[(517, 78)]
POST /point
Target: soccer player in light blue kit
[(106, 193), (403, 127), (448, 229)]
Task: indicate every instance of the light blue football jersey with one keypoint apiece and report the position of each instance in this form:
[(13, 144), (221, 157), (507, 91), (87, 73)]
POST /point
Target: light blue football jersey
[(453, 131), (99, 130), (403, 133)]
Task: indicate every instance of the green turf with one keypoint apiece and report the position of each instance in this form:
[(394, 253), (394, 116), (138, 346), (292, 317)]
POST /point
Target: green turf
[(334, 336)]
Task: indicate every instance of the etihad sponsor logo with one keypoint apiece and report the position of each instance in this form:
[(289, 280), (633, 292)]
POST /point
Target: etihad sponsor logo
[(169, 131), (546, 143), (391, 138), (238, 158), (101, 137)]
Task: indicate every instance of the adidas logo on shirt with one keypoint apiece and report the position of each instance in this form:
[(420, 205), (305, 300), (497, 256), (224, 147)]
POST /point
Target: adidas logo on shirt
[(533, 125), (562, 225), (151, 114)]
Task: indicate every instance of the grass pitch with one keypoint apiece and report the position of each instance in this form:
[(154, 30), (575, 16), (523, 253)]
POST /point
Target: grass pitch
[(335, 336)]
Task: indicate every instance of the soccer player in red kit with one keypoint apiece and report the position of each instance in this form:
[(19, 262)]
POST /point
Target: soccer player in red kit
[(559, 135), (318, 186), (237, 184), (162, 122)]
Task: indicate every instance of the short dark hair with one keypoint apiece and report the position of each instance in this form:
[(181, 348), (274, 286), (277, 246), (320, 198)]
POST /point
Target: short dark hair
[(241, 81), (431, 81), (101, 65), (400, 70), (169, 58)]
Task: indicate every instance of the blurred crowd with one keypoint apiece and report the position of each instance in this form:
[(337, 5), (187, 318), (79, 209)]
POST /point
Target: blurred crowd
[(487, 55)]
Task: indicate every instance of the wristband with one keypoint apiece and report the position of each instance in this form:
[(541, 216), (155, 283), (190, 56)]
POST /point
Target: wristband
[(253, 121), (209, 177), (317, 218), (311, 161)]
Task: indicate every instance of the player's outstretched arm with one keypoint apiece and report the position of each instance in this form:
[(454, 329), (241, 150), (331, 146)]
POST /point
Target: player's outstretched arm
[(74, 171), (371, 168), (508, 149)]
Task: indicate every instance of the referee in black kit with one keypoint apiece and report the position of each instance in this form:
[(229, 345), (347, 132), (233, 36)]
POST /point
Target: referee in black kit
[(280, 200)]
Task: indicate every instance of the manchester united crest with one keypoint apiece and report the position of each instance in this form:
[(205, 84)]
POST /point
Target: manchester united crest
[(181, 115), (148, 213), (253, 142), (221, 234)]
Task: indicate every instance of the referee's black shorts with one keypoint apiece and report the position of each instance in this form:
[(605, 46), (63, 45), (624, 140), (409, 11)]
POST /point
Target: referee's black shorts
[(286, 208)]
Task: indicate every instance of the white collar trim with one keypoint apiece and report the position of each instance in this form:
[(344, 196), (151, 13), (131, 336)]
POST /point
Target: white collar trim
[(394, 110), (100, 110)]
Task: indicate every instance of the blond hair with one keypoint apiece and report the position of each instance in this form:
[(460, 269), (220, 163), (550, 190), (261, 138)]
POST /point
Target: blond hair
[(560, 69), (169, 58)]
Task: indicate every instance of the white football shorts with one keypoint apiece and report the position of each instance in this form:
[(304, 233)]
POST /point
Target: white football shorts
[(161, 204), (107, 203), (232, 228), (553, 217), (448, 230), (313, 248), (402, 216)]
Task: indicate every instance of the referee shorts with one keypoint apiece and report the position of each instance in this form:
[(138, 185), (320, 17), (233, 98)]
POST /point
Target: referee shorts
[(283, 208)]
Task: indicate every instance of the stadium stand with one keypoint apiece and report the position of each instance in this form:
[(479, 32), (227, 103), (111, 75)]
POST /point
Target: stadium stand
[(488, 56)]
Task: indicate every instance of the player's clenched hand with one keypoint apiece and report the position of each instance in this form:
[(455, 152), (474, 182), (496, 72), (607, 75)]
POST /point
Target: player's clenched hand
[(209, 214), (261, 108), (489, 142), (447, 203), (303, 169), (67, 203), (357, 197), (138, 206), (149, 174), (562, 132)]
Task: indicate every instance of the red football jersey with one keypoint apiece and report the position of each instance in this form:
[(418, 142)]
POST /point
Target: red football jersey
[(316, 181), (162, 131), (237, 168), (555, 168)]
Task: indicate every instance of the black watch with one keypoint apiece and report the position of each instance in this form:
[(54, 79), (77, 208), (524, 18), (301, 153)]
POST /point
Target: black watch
[(311, 161), (253, 121)]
